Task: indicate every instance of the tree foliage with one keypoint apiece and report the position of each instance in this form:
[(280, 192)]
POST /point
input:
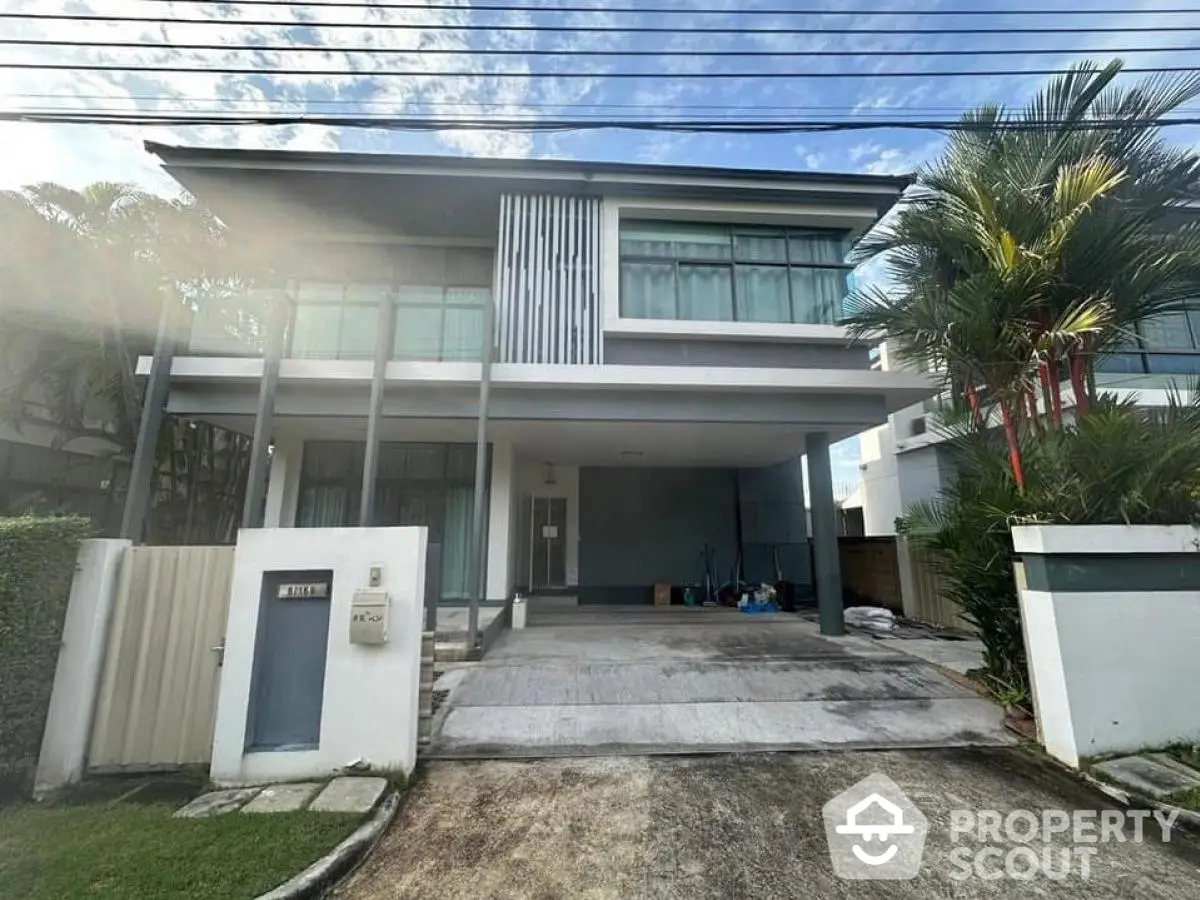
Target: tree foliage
[(1032, 247), (1036, 242), (84, 276), (1116, 465)]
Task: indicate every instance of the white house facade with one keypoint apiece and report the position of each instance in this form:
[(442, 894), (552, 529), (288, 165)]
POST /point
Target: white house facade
[(664, 348)]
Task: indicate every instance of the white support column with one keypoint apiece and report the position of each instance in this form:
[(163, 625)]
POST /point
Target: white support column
[(80, 663), (283, 486), (502, 510)]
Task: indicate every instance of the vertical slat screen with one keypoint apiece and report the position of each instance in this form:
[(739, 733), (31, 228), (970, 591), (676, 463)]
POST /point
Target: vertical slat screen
[(548, 280)]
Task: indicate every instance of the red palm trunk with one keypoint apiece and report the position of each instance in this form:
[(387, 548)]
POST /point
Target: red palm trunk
[(973, 403), (1055, 391), (1014, 449)]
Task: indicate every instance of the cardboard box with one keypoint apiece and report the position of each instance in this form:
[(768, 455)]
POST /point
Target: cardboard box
[(662, 595)]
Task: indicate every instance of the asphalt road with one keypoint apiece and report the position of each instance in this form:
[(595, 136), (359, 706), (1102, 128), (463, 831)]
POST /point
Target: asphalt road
[(751, 826)]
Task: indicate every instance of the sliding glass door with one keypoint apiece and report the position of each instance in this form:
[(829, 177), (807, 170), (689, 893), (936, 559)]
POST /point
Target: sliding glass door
[(417, 484)]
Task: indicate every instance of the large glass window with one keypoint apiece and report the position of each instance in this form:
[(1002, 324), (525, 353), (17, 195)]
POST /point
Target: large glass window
[(719, 273), (416, 484), (1167, 344), (439, 295), (336, 321)]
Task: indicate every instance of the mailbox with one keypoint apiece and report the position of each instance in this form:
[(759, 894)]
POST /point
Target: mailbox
[(369, 617)]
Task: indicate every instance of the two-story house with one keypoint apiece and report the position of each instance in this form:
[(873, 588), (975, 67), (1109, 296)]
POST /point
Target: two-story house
[(666, 348)]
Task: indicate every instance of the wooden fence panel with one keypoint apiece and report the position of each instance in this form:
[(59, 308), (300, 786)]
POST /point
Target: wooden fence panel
[(924, 594)]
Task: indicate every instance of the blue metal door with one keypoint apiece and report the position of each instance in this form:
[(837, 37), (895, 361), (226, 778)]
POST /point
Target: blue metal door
[(288, 681)]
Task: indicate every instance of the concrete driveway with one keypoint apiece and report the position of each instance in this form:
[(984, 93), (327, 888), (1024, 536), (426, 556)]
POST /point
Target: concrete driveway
[(738, 826), (645, 680)]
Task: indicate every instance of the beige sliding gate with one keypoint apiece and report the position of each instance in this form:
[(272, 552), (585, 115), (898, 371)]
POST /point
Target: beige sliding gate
[(158, 693)]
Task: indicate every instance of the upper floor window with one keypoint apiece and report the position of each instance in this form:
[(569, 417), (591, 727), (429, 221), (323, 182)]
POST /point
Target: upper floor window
[(1165, 344), (719, 273), (439, 295)]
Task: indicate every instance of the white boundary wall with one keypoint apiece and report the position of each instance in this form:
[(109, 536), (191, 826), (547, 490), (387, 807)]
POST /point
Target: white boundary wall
[(80, 662), (370, 705), (1113, 671)]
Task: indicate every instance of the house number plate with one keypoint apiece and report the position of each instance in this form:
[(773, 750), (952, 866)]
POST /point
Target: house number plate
[(309, 591)]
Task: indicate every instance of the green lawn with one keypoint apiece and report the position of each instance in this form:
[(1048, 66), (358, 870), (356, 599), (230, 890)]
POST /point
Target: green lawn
[(135, 851)]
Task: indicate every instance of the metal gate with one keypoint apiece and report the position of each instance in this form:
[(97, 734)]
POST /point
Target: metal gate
[(156, 705)]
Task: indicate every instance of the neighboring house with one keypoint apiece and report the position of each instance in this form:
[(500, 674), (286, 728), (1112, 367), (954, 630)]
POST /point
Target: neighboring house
[(904, 461), (667, 347), (45, 468), (37, 475)]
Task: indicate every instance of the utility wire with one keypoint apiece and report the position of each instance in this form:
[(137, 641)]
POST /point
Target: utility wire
[(669, 76), (585, 29), (415, 123), (441, 51), (656, 110), (668, 10), (368, 101)]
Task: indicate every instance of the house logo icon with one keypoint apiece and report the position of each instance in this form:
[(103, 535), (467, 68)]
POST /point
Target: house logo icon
[(875, 832)]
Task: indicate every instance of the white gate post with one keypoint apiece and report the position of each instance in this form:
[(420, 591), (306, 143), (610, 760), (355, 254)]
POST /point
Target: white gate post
[(80, 662)]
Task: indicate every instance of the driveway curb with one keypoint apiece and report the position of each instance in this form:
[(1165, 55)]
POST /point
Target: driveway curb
[(326, 871), (1191, 820)]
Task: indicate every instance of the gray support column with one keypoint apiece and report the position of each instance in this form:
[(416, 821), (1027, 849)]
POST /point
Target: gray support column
[(478, 534), (827, 569), (383, 353), (154, 407), (264, 414)]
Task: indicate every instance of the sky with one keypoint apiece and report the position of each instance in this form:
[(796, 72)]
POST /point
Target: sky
[(78, 155)]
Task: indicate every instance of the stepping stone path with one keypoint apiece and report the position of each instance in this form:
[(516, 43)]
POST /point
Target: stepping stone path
[(282, 798), (216, 803), (1155, 774), (347, 794), (350, 795)]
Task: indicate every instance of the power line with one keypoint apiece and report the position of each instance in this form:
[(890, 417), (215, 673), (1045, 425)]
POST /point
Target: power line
[(406, 73), (585, 29), (413, 123), (667, 10), (656, 109), (441, 51), (367, 101)]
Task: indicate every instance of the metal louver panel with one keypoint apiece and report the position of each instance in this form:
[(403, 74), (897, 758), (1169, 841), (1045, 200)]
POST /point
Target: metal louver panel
[(547, 280)]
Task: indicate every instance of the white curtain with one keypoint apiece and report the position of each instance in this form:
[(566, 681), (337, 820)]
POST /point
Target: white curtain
[(818, 295), (323, 506), (648, 290), (418, 332), (462, 332), (456, 542), (705, 293), (762, 294)]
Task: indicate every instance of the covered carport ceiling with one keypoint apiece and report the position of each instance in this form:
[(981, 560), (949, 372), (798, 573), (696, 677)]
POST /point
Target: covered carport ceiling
[(684, 444)]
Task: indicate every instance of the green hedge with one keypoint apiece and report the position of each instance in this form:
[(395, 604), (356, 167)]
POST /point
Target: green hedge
[(37, 563)]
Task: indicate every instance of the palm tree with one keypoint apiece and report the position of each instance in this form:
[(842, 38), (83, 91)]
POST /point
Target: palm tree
[(83, 279), (1036, 243)]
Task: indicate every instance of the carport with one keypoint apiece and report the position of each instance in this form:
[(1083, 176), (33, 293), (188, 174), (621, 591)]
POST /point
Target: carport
[(637, 680)]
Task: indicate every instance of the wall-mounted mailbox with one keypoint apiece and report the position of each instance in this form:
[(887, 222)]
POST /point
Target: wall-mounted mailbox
[(369, 617)]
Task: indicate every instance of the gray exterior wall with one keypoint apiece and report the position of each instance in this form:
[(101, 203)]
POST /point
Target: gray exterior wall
[(640, 526), (771, 500), (842, 414), (922, 474), (733, 353)]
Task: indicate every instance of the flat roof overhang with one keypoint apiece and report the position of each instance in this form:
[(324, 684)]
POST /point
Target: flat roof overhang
[(839, 402), (459, 196)]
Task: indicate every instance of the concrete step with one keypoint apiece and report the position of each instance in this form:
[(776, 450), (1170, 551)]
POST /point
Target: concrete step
[(454, 651)]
